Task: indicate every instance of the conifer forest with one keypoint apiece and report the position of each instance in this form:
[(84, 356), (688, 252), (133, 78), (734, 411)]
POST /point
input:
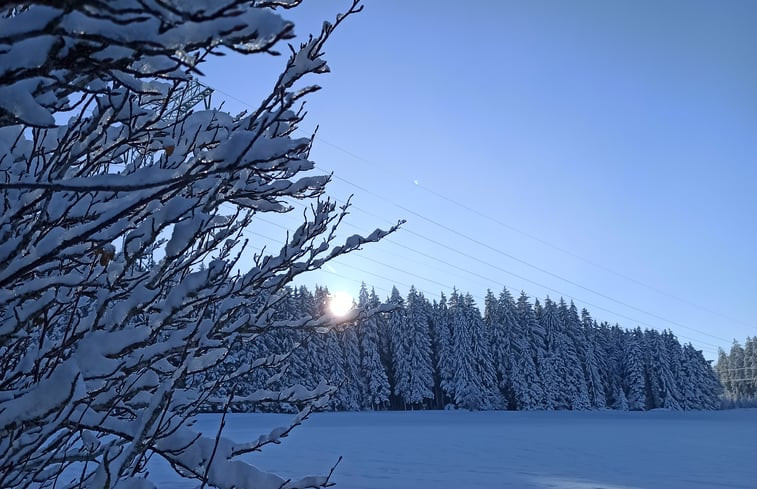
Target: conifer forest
[(737, 371), (516, 354)]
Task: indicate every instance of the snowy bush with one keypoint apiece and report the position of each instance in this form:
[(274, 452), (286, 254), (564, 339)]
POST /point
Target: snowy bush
[(120, 236)]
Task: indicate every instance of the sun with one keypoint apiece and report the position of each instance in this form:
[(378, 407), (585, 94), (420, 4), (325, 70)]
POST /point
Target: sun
[(340, 303)]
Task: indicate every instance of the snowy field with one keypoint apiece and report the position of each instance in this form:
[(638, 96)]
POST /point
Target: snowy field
[(465, 450)]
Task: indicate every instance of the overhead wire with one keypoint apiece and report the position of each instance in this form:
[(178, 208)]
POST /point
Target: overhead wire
[(524, 262), (575, 255), (712, 347), (383, 264), (480, 243), (480, 299), (526, 279), (528, 235)]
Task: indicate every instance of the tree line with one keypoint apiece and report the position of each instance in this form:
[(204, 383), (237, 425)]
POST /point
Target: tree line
[(737, 371), (517, 354)]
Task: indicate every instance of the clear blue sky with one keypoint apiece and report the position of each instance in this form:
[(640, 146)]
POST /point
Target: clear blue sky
[(622, 133)]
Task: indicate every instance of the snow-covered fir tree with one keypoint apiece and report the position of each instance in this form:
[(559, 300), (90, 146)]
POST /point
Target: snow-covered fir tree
[(414, 368), (737, 372), (750, 366), (703, 390), (574, 357), (739, 384), (594, 362), (725, 373), (375, 382), (334, 372), (397, 348), (306, 360), (499, 318), (442, 339), (662, 385), (353, 387), (491, 397), (529, 345), (612, 339), (552, 368), (634, 380), (466, 387)]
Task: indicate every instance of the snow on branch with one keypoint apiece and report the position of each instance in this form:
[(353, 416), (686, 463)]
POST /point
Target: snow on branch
[(122, 218)]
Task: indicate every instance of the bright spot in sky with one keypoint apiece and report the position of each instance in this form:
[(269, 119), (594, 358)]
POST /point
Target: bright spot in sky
[(340, 303)]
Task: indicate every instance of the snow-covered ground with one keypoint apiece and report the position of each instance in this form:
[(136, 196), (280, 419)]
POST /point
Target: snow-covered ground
[(466, 450)]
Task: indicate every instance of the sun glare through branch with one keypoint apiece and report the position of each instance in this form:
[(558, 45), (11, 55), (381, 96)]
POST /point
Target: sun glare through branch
[(340, 303)]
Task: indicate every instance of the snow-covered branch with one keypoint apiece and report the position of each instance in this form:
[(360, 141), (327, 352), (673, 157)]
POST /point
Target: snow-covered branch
[(122, 219)]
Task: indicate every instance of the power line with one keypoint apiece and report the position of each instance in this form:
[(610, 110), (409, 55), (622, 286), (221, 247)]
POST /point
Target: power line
[(713, 347), (362, 270), (498, 282), (576, 256), (496, 250), (480, 243), (467, 255), (445, 286), (532, 237), (557, 276), (524, 262), (552, 289)]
